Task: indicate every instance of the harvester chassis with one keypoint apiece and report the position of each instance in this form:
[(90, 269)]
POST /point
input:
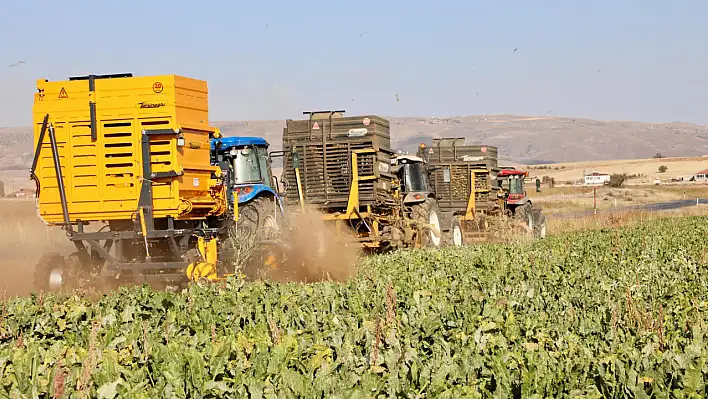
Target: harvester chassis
[(387, 225), (177, 239)]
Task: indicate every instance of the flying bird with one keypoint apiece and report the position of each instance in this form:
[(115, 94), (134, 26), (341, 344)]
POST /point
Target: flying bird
[(360, 36), (398, 98), (515, 49), (16, 64)]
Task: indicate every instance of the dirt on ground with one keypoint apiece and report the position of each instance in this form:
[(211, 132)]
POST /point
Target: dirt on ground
[(309, 249), (24, 238), (582, 198), (312, 251)]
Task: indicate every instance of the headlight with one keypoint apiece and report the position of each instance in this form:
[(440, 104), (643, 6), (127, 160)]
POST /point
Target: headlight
[(233, 152)]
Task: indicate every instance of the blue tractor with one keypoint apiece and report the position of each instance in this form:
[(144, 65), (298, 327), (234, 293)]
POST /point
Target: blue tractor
[(246, 166)]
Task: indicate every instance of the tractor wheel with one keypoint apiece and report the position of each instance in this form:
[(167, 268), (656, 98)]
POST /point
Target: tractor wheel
[(49, 273), (524, 215), (540, 226), (241, 247), (427, 213), (55, 273), (457, 233), (258, 217)]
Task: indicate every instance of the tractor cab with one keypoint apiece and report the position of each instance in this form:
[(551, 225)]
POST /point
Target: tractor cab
[(245, 163), (412, 172), (511, 182)]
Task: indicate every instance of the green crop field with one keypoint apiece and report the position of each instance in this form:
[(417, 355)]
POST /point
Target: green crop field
[(614, 313)]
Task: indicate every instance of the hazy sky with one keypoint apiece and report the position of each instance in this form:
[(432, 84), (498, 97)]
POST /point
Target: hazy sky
[(623, 59)]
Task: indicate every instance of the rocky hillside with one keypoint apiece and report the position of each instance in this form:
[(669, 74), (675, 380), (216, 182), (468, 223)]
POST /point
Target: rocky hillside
[(520, 139)]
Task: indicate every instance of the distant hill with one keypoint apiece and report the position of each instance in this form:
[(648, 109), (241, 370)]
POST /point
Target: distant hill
[(521, 139)]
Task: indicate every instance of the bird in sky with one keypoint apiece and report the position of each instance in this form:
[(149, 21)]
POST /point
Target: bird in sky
[(16, 64), (360, 36)]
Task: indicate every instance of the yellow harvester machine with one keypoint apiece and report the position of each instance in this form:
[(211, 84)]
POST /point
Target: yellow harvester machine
[(344, 167), (122, 163)]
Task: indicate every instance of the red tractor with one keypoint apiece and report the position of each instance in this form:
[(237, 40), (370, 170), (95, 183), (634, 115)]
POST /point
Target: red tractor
[(517, 203)]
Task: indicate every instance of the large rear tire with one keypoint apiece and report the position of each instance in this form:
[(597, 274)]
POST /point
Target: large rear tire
[(258, 217), (457, 233), (540, 227), (525, 217), (427, 213), (242, 247)]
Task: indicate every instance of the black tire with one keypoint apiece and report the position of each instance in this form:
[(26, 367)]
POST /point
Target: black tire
[(45, 272), (522, 213), (258, 217), (540, 226), (457, 233), (428, 213), (257, 221), (55, 273)]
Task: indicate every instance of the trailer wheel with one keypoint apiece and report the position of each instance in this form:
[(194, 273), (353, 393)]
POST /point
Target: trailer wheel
[(428, 214), (458, 235), (55, 273), (48, 273)]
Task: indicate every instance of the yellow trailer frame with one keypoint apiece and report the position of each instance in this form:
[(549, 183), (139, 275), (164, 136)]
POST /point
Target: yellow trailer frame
[(124, 150)]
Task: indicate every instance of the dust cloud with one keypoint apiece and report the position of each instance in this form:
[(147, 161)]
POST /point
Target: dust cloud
[(310, 250), (24, 238)]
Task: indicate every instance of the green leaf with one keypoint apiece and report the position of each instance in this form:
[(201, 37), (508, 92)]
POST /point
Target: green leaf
[(109, 390)]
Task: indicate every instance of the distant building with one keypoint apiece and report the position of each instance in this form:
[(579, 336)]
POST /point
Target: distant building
[(24, 193), (700, 176), (597, 178)]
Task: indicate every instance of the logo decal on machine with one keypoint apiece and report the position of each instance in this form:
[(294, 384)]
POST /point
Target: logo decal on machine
[(358, 132), (157, 87), (146, 104)]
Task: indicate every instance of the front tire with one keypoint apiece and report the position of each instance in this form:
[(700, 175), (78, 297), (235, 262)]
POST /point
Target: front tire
[(541, 226), (427, 214), (458, 235)]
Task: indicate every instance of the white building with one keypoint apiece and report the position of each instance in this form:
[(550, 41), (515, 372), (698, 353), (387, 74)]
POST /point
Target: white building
[(700, 176), (597, 178)]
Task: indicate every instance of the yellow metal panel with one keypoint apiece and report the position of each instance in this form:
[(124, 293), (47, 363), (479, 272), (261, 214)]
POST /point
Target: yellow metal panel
[(103, 177)]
